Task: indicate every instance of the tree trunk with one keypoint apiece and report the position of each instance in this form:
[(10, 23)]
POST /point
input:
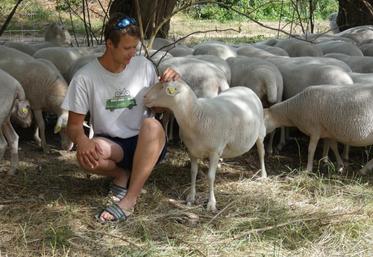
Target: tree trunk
[(152, 14), (9, 18), (354, 13)]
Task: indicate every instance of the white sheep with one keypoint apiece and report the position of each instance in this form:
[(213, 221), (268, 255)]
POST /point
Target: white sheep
[(340, 47), (215, 48), (263, 77), (205, 78), (360, 34), (367, 49), (12, 98), (44, 88), (251, 51), (218, 62), (302, 72), (360, 64), (333, 22), (271, 49), (56, 33), (338, 113), (295, 47), (62, 57), (227, 125)]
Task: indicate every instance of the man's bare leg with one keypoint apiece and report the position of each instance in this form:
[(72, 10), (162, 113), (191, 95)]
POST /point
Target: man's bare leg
[(112, 153), (150, 143)]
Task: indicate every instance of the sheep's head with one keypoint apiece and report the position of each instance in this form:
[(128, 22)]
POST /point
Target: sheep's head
[(22, 114), (163, 94)]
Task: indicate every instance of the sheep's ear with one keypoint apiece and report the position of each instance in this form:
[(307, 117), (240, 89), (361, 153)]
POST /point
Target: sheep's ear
[(171, 90), (57, 129), (61, 123)]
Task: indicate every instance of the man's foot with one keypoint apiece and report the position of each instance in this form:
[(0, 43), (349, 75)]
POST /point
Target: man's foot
[(116, 192), (113, 213)]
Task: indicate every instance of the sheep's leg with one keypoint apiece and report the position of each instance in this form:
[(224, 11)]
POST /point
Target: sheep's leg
[(284, 135), (193, 172), (12, 138), (311, 151), (346, 152), (270, 142), (334, 147), (41, 125), (325, 150), (261, 153), (3, 144), (366, 168), (214, 160)]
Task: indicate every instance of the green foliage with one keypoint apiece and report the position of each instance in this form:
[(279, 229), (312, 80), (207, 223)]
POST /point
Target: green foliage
[(262, 9)]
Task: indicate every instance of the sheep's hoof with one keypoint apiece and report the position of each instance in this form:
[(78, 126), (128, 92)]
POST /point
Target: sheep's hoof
[(211, 207), (190, 200)]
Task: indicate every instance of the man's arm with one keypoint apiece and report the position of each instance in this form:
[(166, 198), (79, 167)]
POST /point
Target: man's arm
[(87, 150)]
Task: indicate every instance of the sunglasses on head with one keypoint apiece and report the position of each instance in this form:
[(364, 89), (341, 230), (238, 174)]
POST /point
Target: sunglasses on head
[(124, 23)]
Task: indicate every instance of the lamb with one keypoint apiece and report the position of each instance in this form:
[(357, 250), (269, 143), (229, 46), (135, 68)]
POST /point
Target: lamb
[(12, 98), (360, 64), (44, 89), (227, 125), (339, 113)]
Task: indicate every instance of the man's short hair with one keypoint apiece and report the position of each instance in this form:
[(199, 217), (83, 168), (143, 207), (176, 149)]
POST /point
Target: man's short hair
[(119, 25)]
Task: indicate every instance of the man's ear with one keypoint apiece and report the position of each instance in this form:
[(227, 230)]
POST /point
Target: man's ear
[(171, 90)]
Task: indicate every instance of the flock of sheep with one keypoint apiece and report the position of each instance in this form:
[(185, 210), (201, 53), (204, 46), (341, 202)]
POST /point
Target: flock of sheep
[(230, 96)]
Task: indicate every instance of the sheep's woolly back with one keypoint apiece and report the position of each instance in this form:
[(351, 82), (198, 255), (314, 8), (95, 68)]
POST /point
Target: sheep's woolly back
[(38, 81), (299, 74), (8, 53), (295, 47), (359, 34), (360, 64), (215, 48), (261, 76), (340, 47), (203, 77)]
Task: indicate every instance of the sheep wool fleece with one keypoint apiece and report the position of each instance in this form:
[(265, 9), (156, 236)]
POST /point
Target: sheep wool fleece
[(114, 100)]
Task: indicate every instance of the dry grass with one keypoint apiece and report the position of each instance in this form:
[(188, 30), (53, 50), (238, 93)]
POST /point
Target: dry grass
[(47, 209)]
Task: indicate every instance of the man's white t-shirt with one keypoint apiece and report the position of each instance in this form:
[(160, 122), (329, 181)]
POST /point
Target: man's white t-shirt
[(114, 100)]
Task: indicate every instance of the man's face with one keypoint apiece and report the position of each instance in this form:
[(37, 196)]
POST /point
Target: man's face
[(125, 50)]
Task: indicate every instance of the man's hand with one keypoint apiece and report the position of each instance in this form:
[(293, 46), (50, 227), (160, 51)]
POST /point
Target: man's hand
[(88, 153), (169, 75)]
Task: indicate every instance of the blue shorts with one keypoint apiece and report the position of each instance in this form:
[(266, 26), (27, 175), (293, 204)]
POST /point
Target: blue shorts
[(128, 146)]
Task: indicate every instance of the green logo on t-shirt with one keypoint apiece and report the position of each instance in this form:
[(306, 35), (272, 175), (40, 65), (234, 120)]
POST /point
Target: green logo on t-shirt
[(120, 103)]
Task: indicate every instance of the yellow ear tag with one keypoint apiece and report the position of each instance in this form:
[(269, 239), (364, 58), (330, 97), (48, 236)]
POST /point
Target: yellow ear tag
[(24, 110), (57, 129), (170, 90)]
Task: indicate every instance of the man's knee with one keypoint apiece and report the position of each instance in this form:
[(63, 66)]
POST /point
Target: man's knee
[(153, 127), (86, 168)]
